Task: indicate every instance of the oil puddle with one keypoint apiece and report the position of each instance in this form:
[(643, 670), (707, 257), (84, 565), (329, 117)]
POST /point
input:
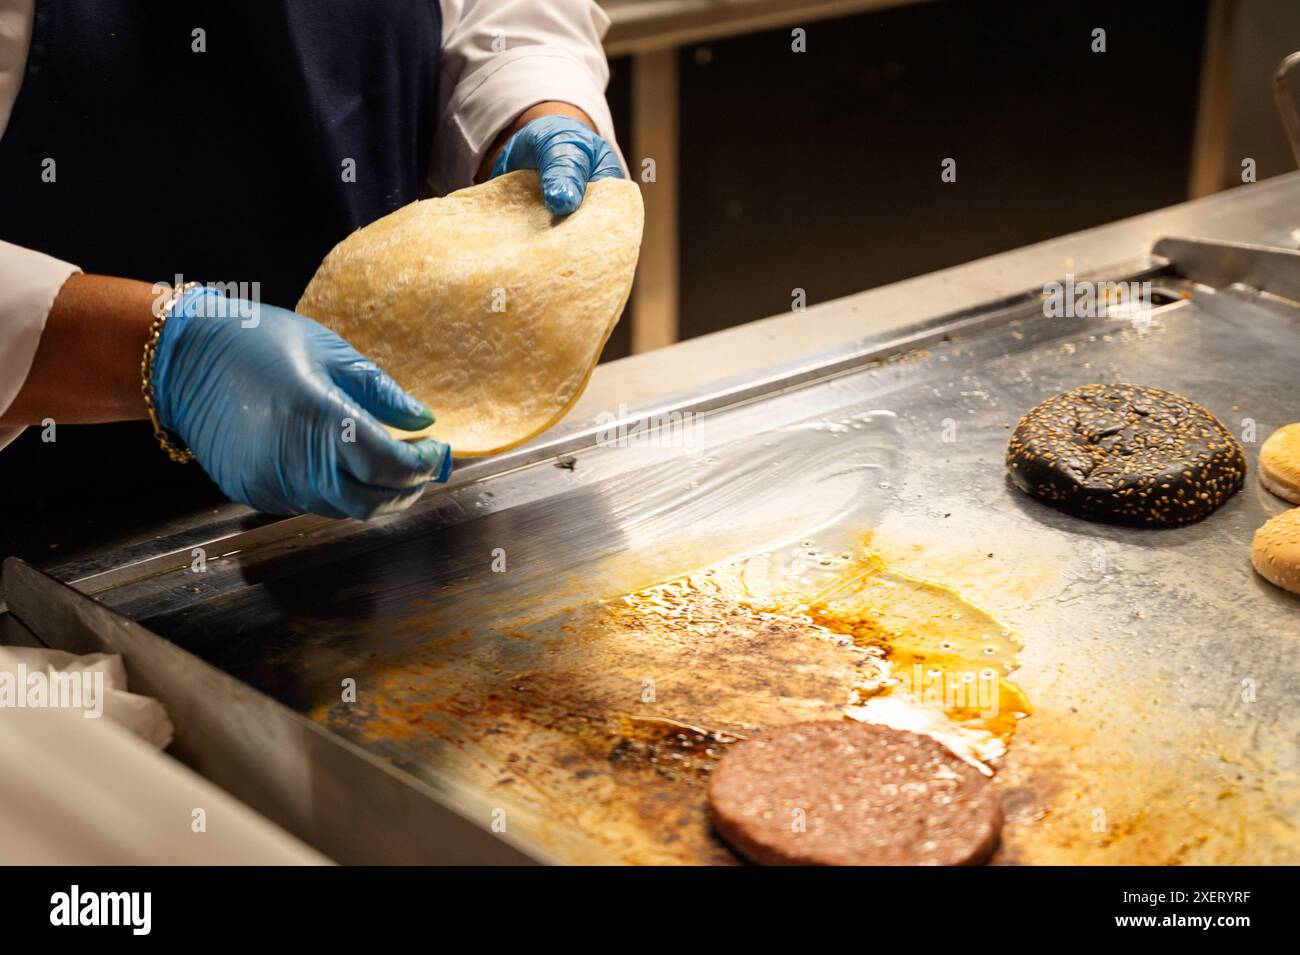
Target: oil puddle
[(927, 659)]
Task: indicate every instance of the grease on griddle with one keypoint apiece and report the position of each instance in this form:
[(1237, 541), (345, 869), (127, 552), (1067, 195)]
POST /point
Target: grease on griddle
[(674, 750), (927, 659), (944, 662), (557, 730)]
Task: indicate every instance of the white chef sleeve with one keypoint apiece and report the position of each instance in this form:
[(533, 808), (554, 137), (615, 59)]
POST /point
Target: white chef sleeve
[(29, 283), (499, 57)]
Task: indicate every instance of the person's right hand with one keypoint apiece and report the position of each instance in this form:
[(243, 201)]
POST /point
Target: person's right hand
[(284, 415)]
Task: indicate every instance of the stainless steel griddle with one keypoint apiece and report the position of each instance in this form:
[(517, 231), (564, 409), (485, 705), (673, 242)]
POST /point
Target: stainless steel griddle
[(1161, 671)]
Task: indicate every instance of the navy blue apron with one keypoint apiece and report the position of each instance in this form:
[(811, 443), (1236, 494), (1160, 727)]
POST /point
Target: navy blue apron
[(226, 165)]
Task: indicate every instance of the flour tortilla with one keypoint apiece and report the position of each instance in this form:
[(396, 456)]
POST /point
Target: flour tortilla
[(483, 305)]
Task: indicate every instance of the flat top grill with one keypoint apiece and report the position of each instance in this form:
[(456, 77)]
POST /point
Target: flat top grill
[(567, 646)]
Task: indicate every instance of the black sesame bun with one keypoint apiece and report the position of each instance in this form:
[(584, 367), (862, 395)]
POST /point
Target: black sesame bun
[(1126, 454)]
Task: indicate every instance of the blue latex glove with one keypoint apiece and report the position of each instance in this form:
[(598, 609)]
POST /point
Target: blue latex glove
[(262, 396), (566, 153)]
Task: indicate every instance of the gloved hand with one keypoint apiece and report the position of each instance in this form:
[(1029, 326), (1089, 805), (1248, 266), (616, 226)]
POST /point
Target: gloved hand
[(566, 153), (284, 415)]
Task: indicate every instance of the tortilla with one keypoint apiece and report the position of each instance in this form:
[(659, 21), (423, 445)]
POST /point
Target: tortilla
[(483, 305)]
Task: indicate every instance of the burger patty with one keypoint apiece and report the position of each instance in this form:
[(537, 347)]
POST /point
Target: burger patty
[(849, 793), (1126, 454)]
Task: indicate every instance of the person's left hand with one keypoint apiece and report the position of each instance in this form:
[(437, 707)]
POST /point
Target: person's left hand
[(566, 152)]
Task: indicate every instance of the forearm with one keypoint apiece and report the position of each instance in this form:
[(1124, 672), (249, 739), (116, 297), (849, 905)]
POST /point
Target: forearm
[(87, 366), (527, 116)]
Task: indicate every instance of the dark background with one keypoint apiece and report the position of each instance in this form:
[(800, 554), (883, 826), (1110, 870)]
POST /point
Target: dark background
[(820, 170)]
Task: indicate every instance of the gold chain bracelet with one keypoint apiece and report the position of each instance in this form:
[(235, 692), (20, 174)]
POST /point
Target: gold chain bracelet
[(177, 454)]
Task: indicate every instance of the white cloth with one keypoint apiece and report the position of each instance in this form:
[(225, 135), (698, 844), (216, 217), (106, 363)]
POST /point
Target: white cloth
[(93, 684), (499, 57), (85, 784), (87, 792)]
